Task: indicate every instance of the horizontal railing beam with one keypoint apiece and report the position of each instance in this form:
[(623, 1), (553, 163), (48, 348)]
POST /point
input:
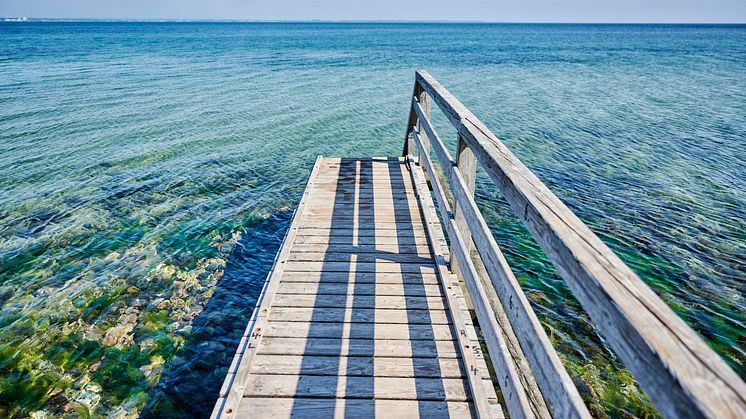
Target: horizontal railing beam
[(443, 207), (680, 373), (514, 395), (554, 381)]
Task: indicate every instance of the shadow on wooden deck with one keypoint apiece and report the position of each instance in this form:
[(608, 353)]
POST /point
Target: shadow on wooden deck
[(319, 395)]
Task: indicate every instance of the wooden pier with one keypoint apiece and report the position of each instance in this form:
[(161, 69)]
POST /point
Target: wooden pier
[(368, 308)]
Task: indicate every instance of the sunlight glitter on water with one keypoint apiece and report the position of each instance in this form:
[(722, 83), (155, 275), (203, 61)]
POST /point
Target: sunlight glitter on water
[(148, 172)]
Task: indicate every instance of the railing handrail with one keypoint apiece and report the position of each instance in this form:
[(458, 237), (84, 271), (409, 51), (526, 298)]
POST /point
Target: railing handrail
[(679, 372)]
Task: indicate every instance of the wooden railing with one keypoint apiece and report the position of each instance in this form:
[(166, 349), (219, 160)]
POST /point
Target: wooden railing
[(679, 372)]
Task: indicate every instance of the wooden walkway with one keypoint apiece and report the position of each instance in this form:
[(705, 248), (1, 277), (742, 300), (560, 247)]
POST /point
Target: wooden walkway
[(364, 312), (361, 316)]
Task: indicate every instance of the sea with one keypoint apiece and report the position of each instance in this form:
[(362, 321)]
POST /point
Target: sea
[(149, 171)]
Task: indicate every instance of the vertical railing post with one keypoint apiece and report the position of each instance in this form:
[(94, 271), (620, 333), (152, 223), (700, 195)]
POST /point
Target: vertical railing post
[(424, 100), (466, 162), (410, 149)]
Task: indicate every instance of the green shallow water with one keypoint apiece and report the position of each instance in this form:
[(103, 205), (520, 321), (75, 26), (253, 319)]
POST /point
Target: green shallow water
[(148, 173)]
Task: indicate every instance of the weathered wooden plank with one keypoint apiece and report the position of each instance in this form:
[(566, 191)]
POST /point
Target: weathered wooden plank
[(423, 114), (515, 395), (377, 331), (366, 221), (358, 315), (353, 278), (369, 216), (350, 197), (392, 174), (367, 225), (486, 404), (680, 373), (359, 301), (443, 206), (335, 283), (369, 190), (382, 173), (282, 408), (367, 241), (467, 165), (409, 146), (364, 192), (526, 375), (397, 176), (360, 366), (367, 257), (217, 410), (384, 249), (381, 267), (389, 214), (443, 155), (344, 196), (390, 388), (552, 377), (367, 229), (358, 289), (413, 231), (362, 166), (351, 161), (364, 205), (359, 347), (548, 369), (516, 354), (369, 195)]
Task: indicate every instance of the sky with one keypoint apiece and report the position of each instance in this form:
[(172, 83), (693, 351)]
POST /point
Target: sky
[(642, 11)]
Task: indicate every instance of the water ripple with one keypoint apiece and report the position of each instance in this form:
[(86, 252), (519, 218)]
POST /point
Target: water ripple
[(148, 171)]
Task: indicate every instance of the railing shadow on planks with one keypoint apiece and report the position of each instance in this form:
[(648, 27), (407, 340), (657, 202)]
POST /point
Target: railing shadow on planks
[(676, 368)]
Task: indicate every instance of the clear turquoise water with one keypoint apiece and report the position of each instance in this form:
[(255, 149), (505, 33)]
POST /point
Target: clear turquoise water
[(148, 172)]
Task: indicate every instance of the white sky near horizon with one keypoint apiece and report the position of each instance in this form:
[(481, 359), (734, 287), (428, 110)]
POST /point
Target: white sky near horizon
[(642, 11)]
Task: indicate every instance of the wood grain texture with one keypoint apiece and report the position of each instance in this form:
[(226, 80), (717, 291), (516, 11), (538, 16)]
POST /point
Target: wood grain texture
[(377, 267), (389, 331), (283, 408), (466, 162), (544, 358), (366, 257), (390, 388), (421, 250), (515, 395), (680, 373), (355, 308), (359, 315), (360, 301), (556, 384), (361, 278), (359, 289), (359, 366), (485, 399), (333, 347)]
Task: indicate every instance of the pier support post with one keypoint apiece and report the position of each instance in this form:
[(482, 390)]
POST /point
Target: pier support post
[(410, 149), (425, 105), (466, 162)]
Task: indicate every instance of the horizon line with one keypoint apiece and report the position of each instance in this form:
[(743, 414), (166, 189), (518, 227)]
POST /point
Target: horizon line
[(13, 19)]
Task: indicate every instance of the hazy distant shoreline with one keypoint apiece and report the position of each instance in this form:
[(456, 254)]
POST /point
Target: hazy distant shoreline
[(22, 19)]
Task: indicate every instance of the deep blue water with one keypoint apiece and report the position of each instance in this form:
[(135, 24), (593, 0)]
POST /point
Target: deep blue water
[(148, 172)]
